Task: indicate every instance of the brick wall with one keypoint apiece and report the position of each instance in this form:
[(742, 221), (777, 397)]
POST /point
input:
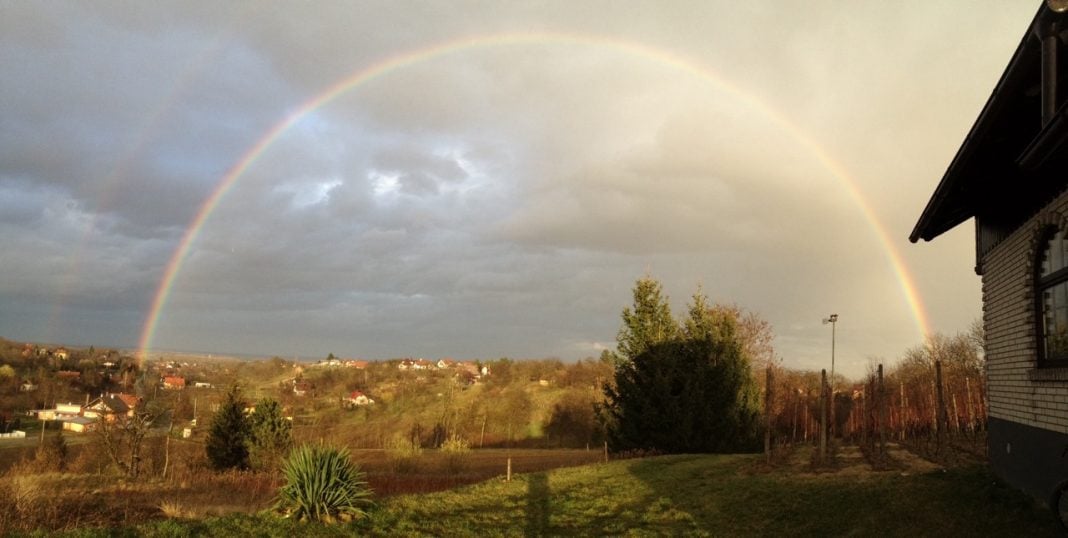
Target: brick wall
[(1017, 390)]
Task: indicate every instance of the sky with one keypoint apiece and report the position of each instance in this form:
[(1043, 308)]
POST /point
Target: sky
[(484, 179)]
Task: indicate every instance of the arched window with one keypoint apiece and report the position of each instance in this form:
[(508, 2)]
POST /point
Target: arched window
[(1051, 287)]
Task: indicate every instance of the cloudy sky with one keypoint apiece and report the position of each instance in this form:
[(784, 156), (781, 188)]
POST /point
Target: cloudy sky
[(495, 176)]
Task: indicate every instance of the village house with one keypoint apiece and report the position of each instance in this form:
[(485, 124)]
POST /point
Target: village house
[(357, 399), (173, 382), (79, 424), (1010, 174), (61, 353), (111, 407), (301, 388), (69, 375), (60, 412)]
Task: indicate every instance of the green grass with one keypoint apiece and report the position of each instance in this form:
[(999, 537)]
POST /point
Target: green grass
[(679, 495)]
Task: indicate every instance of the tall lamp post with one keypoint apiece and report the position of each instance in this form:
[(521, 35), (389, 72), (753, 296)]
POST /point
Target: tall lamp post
[(833, 320)]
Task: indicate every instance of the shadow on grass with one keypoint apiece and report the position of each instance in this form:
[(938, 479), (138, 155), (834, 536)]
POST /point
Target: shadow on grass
[(729, 495), (537, 509)]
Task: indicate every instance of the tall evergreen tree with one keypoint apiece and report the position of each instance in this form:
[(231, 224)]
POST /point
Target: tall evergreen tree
[(648, 323), (270, 435), (690, 393), (227, 445)]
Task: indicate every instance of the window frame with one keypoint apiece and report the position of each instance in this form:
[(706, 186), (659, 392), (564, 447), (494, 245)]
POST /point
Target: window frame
[(1041, 284)]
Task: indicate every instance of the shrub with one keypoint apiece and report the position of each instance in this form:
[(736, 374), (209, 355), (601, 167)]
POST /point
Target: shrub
[(403, 454), (456, 449), (322, 484)]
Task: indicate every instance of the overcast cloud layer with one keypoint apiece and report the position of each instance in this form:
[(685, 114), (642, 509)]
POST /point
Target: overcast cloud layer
[(498, 200)]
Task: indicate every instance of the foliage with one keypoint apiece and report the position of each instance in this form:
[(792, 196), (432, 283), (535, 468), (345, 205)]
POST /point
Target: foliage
[(649, 323), (693, 393), (403, 454), (573, 421), (227, 444), (270, 435), (322, 484), (52, 455), (456, 450)]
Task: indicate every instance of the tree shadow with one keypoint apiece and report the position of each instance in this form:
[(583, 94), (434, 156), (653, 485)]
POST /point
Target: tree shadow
[(537, 520)]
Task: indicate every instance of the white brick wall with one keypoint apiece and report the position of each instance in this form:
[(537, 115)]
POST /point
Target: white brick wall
[(1009, 320)]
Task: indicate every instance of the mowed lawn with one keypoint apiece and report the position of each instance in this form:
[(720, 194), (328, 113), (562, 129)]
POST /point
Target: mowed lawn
[(689, 495)]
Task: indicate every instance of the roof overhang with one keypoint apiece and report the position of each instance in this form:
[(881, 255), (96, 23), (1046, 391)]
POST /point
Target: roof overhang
[(1010, 159)]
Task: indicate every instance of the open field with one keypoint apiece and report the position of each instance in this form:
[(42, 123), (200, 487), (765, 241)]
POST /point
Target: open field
[(87, 498), (700, 495)]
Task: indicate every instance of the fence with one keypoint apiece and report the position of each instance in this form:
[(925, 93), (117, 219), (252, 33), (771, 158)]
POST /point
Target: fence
[(933, 406)]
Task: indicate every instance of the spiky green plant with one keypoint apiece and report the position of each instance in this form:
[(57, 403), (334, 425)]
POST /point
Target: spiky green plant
[(322, 484)]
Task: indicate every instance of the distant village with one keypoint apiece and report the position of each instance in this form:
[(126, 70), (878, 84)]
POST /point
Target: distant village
[(104, 383)]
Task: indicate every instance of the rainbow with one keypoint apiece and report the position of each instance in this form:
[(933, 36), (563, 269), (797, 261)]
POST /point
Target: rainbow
[(439, 50)]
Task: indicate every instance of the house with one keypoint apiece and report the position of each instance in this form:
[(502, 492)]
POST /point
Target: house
[(28, 386), (69, 375), (79, 424), (61, 353), (60, 412), (111, 407), (1010, 174), (357, 364), (202, 385), (446, 363), (357, 399), (301, 388), (415, 364), (173, 382)]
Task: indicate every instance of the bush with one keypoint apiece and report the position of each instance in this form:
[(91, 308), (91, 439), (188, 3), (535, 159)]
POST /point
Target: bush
[(322, 484), (456, 449), (403, 455)]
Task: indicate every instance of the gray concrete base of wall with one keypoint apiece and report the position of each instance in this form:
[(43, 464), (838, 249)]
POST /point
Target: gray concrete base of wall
[(1031, 459)]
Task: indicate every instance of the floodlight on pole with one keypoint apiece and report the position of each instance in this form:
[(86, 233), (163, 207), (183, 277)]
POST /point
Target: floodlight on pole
[(833, 320)]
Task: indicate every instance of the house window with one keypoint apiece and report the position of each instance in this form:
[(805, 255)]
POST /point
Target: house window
[(1052, 294)]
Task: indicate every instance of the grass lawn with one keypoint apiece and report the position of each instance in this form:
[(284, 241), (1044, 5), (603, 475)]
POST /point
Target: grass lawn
[(691, 495)]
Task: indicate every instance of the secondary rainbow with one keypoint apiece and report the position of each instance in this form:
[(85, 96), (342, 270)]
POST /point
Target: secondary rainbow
[(439, 50)]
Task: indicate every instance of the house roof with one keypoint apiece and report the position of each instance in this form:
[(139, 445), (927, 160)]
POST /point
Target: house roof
[(1010, 163), (112, 402)]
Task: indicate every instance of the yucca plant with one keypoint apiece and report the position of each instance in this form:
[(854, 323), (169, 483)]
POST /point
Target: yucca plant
[(322, 484)]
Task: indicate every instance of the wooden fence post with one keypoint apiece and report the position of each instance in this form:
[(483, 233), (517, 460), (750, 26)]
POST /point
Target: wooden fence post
[(767, 414), (942, 422), (823, 416), (880, 399)]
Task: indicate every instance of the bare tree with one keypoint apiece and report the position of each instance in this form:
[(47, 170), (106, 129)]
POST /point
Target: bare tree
[(123, 436)]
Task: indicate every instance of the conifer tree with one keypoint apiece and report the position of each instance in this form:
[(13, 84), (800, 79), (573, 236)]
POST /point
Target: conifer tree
[(270, 435), (227, 445), (649, 322), (692, 392)]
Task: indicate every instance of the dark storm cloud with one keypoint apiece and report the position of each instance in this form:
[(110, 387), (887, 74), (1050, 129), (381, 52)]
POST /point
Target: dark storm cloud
[(495, 200)]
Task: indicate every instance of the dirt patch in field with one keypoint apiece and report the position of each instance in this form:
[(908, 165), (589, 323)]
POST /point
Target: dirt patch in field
[(849, 460)]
